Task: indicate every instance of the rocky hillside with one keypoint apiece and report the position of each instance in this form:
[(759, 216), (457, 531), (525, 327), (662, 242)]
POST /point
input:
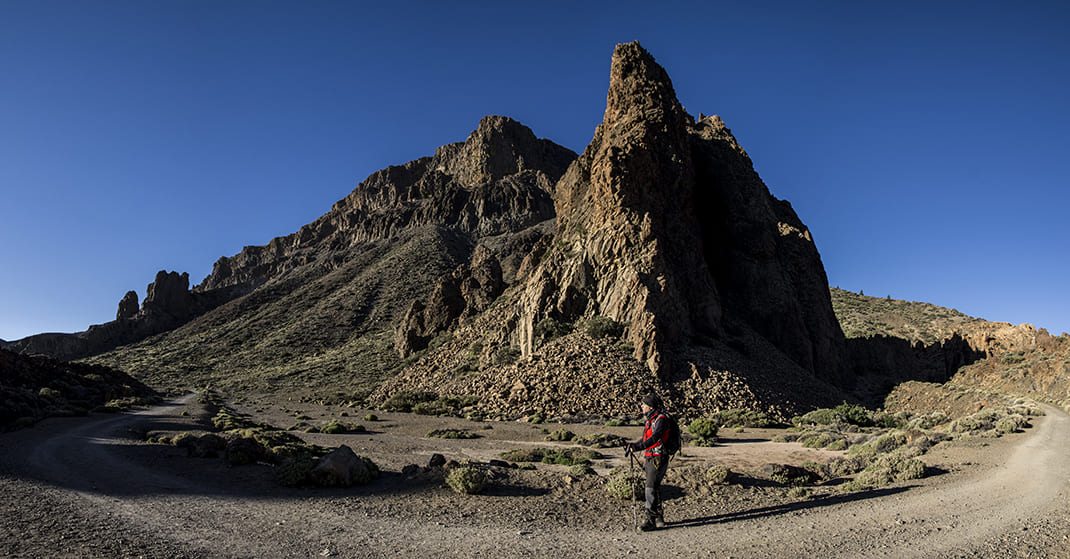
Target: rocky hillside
[(495, 184), (657, 259), (666, 234), (168, 304), (321, 307), (892, 341), (35, 387)]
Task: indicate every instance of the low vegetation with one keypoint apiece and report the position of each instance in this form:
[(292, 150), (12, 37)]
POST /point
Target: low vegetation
[(883, 448), (625, 484), (563, 456), (704, 430), (466, 480)]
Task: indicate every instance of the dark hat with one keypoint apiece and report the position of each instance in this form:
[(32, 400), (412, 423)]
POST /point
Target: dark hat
[(652, 400)]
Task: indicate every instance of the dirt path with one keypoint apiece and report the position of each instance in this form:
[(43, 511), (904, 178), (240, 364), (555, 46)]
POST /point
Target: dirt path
[(81, 488)]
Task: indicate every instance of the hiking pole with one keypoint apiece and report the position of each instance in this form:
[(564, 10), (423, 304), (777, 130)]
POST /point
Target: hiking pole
[(631, 489)]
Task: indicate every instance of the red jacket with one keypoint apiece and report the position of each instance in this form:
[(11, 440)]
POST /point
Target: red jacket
[(655, 433)]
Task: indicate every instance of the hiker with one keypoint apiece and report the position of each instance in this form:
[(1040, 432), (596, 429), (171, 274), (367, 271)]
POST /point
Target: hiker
[(655, 435)]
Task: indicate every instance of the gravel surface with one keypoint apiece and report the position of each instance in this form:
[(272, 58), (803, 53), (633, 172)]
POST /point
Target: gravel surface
[(88, 487)]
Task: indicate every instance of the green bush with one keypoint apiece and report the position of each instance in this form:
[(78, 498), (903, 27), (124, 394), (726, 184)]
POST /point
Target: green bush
[(744, 418), (799, 492), (405, 400), (561, 435), (854, 414), (881, 445), (294, 471), (817, 440), (719, 475), (703, 428), (50, 393), (466, 480), (581, 470), (602, 327), (621, 485), (1011, 424), (888, 469), (886, 420), (333, 428), (838, 444), (563, 456), (822, 416), (182, 439), (601, 440), (548, 329), (927, 421)]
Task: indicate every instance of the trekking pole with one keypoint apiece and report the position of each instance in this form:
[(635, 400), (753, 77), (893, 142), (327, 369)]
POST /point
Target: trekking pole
[(631, 489)]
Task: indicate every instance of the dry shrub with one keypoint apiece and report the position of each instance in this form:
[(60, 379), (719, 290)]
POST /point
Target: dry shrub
[(621, 485), (466, 480), (719, 475)]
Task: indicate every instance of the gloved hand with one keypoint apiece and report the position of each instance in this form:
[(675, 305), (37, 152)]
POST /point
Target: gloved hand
[(628, 449)]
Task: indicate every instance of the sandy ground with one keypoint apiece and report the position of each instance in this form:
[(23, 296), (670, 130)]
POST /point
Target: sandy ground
[(88, 487)]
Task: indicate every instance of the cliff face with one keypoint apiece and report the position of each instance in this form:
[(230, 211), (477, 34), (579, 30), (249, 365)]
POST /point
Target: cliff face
[(671, 268), (664, 225), (496, 182)]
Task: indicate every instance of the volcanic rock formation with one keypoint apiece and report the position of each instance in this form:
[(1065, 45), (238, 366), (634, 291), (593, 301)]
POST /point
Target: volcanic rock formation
[(664, 225), (168, 304), (497, 182), (665, 231)]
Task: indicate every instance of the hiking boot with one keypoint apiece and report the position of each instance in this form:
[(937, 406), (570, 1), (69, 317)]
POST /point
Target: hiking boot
[(649, 524), (659, 520)]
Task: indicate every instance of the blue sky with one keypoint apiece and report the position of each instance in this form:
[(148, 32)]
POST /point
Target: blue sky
[(924, 144)]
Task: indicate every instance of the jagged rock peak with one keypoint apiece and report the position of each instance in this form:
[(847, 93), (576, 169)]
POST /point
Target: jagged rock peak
[(128, 306), (626, 211), (639, 88), (497, 148)]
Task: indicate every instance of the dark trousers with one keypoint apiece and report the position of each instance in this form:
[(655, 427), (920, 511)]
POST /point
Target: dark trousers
[(656, 466)]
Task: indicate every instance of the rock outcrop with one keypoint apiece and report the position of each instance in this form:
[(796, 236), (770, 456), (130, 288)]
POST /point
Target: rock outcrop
[(468, 291), (667, 239), (128, 306), (497, 182), (168, 303), (663, 225), (35, 387)]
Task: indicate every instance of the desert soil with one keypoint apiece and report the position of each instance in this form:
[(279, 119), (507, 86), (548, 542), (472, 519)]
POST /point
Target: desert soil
[(90, 487)]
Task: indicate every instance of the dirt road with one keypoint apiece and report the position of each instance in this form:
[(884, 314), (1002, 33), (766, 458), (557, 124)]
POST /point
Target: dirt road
[(81, 487)]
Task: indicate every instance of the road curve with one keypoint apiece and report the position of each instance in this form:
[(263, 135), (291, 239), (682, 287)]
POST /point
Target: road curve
[(1017, 508)]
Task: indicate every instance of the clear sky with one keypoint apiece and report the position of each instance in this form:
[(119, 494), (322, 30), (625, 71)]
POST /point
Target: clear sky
[(925, 144)]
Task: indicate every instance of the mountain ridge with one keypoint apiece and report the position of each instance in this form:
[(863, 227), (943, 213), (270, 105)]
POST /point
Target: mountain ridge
[(511, 268)]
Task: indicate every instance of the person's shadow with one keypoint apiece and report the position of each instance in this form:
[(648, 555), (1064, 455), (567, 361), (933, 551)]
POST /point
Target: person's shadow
[(776, 510)]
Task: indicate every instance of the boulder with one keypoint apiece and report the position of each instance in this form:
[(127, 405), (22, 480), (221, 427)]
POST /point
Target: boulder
[(342, 467), (437, 460)]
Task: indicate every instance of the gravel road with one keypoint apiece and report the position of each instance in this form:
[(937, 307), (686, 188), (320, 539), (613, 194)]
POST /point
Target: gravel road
[(84, 487)]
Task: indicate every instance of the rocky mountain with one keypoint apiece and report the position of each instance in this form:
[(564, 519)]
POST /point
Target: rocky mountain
[(511, 274), (665, 229), (892, 341), (168, 304), (494, 184), (320, 308)]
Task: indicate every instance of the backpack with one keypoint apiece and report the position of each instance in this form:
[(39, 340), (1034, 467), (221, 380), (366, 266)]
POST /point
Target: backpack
[(672, 442)]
